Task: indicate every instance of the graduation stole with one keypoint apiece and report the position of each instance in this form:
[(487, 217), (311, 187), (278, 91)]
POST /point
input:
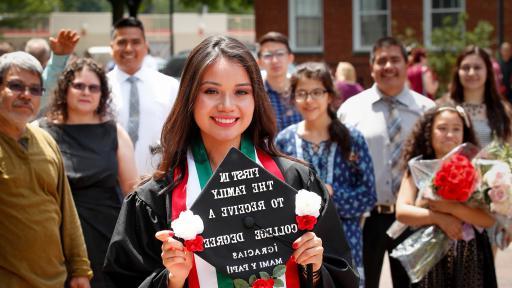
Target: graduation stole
[(202, 274)]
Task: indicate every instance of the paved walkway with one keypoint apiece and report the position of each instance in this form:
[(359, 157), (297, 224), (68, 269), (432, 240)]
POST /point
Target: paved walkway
[(503, 270)]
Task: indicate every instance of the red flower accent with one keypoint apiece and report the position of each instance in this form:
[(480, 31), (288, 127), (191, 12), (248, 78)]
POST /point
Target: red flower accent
[(195, 245), (456, 179), (306, 222), (263, 283)]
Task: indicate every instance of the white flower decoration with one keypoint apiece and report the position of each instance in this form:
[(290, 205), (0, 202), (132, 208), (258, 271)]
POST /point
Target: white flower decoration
[(187, 225), (307, 203), (504, 208), (499, 174)]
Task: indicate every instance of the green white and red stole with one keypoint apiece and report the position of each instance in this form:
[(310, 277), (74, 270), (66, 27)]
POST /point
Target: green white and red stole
[(202, 274)]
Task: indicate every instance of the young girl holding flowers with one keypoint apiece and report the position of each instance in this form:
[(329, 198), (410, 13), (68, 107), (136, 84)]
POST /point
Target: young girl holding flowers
[(467, 263)]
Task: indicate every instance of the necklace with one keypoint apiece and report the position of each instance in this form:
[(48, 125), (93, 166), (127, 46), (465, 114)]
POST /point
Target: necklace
[(315, 147)]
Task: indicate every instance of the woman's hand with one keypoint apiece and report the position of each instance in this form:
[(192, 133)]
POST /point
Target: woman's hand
[(444, 206), (79, 282), (451, 226), (175, 257), (308, 250)]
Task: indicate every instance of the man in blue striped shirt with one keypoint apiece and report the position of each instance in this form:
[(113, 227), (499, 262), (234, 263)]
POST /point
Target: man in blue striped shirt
[(274, 56)]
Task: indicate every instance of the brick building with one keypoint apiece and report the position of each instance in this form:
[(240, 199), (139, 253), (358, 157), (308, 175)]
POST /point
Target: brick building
[(344, 30)]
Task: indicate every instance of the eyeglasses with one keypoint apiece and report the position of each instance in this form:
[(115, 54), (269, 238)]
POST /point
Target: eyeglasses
[(393, 60), (467, 68), (19, 87), (93, 88), (302, 95), (278, 54)]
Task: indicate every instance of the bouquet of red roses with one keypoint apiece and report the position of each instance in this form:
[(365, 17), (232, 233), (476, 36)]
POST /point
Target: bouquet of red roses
[(451, 178)]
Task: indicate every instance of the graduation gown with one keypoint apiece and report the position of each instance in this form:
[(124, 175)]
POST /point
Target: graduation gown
[(133, 257)]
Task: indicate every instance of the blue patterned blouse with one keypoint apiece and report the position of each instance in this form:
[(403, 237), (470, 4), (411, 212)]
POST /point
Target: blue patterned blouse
[(352, 181)]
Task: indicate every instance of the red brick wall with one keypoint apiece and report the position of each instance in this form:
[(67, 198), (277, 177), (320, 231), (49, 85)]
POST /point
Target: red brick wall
[(507, 15), (270, 15), (407, 14), (273, 15), (478, 11)]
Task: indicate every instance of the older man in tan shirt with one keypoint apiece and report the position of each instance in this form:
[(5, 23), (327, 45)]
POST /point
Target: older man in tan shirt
[(41, 239)]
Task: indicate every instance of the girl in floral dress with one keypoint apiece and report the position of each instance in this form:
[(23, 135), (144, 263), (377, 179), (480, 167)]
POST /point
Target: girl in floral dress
[(467, 263), (339, 155)]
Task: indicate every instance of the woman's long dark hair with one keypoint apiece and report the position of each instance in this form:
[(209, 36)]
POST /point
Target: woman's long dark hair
[(338, 133), (419, 141), (180, 128), (58, 109), (498, 110)]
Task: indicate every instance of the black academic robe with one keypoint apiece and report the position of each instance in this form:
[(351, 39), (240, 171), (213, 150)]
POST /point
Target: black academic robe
[(133, 257)]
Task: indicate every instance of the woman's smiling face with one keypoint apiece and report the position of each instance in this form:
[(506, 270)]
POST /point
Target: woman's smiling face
[(224, 106)]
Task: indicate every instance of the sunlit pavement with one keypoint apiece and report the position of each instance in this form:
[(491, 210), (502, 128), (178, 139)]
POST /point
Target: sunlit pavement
[(503, 270)]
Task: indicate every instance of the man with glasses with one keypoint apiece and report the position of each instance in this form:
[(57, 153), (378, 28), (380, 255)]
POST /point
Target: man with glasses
[(42, 242), (274, 56), (385, 114), (142, 97)]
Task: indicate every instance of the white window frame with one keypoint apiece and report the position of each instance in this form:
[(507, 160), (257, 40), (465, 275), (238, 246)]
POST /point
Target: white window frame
[(356, 24), (292, 26), (427, 18)]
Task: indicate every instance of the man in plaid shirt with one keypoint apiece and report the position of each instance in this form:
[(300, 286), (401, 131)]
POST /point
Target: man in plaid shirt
[(274, 56)]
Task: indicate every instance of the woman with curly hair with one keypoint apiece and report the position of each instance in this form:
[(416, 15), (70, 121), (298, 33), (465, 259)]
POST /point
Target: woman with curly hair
[(467, 263), (97, 152)]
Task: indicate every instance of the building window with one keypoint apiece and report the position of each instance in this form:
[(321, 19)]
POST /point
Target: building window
[(306, 25), (370, 22), (434, 13)]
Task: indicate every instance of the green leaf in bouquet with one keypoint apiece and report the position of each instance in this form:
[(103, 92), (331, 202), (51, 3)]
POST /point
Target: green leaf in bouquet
[(278, 283), (252, 279), (279, 271), (264, 275), (240, 283)]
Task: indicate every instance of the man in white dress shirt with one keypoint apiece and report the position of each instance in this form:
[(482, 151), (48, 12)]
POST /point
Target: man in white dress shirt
[(371, 113), (142, 97)]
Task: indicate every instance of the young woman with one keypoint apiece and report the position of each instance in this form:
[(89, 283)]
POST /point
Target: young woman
[(221, 104), (467, 263), (339, 155), (98, 154), (474, 88)]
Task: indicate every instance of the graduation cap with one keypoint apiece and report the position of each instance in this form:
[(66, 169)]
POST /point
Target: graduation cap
[(249, 218)]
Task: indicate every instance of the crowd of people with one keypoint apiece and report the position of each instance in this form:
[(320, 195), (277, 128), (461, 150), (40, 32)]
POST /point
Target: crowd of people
[(95, 164)]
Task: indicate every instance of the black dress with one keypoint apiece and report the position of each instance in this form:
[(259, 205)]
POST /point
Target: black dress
[(133, 257), (90, 160), (467, 264)]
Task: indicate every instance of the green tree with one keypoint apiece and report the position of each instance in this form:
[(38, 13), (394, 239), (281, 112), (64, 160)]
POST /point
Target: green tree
[(449, 40), (85, 5), (24, 13)]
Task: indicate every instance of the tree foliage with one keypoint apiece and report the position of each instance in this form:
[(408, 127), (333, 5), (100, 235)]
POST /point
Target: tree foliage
[(85, 5), (227, 6), (449, 40), (21, 13)]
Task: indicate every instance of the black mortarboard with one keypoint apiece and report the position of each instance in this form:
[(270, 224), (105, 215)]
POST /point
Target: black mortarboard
[(249, 218)]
